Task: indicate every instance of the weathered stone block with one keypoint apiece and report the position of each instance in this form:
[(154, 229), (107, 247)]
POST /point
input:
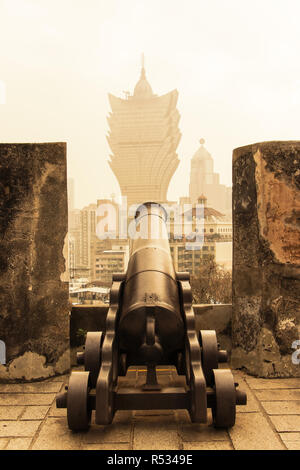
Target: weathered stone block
[(266, 257), (34, 310)]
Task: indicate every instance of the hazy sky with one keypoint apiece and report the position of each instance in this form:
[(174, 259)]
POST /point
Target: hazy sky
[(235, 63)]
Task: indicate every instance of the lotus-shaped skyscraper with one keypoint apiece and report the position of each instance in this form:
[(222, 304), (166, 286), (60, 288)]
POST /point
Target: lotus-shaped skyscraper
[(143, 137)]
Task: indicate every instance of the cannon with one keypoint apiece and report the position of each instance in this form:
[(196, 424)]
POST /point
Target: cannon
[(151, 322)]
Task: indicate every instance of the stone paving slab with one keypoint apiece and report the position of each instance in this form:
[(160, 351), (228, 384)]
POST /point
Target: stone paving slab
[(202, 432), (291, 440), (278, 395), (155, 435), (36, 387), (57, 412), (105, 447), (11, 412), (3, 443), (252, 431), (163, 419), (123, 417), (19, 444), (18, 399), (282, 407), (182, 417), (115, 432), (55, 435), (35, 412), (29, 419), (216, 445), (266, 384), (286, 423), (18, 428), (149, 430)]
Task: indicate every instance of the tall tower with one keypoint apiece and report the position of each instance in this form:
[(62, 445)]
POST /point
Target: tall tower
[(71, 203), (203, 181), (201, 172), (143, 137)]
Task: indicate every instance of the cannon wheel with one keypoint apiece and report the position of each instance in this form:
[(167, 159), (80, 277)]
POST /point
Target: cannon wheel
[(78, 410), (92, 355), (194, 373), (108, 374), (209, 353), (224, 407)]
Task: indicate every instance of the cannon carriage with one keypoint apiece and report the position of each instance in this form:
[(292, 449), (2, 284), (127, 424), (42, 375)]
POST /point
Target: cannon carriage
[(151, 322)]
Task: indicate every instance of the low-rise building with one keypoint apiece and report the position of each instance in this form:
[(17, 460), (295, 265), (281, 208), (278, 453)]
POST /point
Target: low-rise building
[(206, 234), (111, 261)]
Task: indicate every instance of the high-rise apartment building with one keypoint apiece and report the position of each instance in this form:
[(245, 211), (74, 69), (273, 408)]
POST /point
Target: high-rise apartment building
[(71, 194), (87, 234)]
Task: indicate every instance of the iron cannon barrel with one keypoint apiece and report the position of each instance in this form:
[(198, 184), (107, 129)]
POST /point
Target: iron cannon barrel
[(150, 287), (151, 321)]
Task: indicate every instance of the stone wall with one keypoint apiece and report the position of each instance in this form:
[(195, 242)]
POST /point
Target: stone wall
[(34, 308), (266, 258)]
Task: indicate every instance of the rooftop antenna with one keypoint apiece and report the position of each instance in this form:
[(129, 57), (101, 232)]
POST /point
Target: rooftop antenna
[(143, 73)]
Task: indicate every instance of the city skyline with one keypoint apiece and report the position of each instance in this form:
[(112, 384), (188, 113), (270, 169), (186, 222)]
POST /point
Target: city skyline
[(233, 63)]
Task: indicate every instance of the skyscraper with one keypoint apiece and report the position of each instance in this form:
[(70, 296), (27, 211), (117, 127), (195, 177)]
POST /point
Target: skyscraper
[(143, 137), (203, 180), (71, 203)]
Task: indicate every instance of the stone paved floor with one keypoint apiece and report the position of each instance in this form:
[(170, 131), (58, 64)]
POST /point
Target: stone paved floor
[(271, 420)]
